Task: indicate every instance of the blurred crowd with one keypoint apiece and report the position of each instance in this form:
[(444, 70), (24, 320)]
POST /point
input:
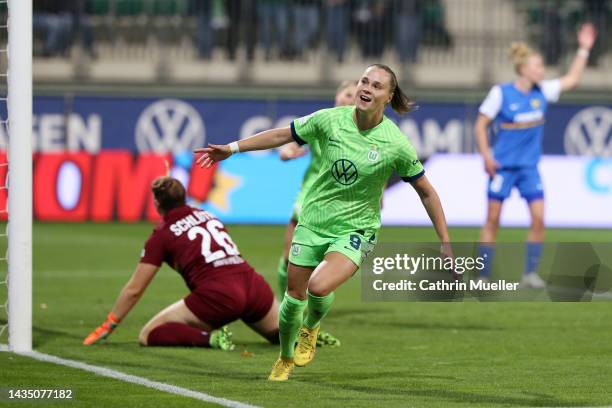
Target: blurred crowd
[(288, 29), (59, 23), (284, 29), (556, 21)]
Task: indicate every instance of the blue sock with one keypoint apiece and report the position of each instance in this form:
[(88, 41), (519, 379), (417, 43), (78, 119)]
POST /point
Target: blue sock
[(486, 251), (534, 251)]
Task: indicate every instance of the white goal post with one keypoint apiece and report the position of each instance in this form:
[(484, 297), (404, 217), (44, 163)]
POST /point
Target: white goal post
[(19, 101)]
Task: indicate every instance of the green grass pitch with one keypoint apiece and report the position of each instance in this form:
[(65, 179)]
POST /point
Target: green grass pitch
[(392, 354)]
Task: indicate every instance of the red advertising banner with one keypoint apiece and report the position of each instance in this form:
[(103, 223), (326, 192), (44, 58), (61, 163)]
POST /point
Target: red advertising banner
[(110, 185)]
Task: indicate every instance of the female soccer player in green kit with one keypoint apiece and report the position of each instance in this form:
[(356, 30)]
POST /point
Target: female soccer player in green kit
[(338, 227), (345, 96)]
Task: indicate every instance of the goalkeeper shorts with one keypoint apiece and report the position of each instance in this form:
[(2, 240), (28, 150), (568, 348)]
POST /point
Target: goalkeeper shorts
[(225, 298)]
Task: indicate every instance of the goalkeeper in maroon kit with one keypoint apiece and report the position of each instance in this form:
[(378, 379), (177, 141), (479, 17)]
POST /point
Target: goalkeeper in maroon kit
[(224, 287)]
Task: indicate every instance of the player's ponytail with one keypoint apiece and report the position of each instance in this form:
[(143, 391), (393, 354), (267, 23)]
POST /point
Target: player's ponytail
[(519, 52), (400, 102), (169, 193)]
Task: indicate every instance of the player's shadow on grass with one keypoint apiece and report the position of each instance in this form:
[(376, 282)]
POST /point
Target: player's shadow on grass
[(529, 399)]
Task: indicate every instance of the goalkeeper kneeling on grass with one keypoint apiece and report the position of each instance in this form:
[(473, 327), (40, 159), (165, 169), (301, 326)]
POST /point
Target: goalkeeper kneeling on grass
[(223, 286)]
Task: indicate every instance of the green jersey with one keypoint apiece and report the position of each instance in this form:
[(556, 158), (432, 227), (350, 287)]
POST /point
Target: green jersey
[(311, 172), (353, 168)]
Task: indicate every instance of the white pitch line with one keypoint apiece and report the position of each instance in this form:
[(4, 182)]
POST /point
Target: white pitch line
[(118, 375)]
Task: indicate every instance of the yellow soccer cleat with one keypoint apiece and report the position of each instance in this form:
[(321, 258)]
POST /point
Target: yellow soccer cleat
[(281, 370), (306, 346)]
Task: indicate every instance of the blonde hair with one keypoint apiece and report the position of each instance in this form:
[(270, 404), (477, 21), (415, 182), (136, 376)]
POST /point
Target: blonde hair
[(519, 52), (169, 192), (345, 84)]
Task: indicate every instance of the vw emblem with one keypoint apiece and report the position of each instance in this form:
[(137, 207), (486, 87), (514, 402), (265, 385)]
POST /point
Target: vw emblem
[(344, 171), (169, 125), (589, 132)]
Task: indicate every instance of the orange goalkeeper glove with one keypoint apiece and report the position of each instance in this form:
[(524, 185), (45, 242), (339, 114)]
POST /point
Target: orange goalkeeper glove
[(103, 331)]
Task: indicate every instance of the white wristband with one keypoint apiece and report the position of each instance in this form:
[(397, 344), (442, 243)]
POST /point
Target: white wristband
[(234, 148), (583, 52)]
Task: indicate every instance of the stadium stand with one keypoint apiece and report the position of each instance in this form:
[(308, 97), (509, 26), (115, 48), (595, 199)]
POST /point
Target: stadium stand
[(201, 41)]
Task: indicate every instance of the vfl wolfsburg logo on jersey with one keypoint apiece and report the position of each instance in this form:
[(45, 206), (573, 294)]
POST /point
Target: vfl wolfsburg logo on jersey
[(373, 154), (344, 171)]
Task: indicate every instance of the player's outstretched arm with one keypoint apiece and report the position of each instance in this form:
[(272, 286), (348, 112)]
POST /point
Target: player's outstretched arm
[(482, 141), (433, 206), (264, 140), (586, 39), (127, 299)]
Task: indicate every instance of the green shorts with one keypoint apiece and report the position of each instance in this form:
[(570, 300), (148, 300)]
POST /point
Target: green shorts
[(308, 248)]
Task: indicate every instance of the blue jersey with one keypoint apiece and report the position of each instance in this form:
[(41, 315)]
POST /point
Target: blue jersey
[(519, 121)]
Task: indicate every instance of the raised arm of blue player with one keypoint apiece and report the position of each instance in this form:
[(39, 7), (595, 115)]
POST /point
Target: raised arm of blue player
[(586, 38)]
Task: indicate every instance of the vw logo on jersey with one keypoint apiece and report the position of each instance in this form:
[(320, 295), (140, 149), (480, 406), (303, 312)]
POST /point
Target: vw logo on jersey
[(589, 132), (169, 125), (373, 154), (344, 171)]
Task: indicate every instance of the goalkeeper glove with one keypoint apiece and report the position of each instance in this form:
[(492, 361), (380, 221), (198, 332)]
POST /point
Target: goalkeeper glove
[(103, 331)]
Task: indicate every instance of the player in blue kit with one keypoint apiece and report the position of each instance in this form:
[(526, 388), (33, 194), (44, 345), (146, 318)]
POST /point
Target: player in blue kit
[(516, 110)]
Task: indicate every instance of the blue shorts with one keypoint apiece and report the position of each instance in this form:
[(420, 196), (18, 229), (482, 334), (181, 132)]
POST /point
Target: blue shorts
[(526, 179)]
